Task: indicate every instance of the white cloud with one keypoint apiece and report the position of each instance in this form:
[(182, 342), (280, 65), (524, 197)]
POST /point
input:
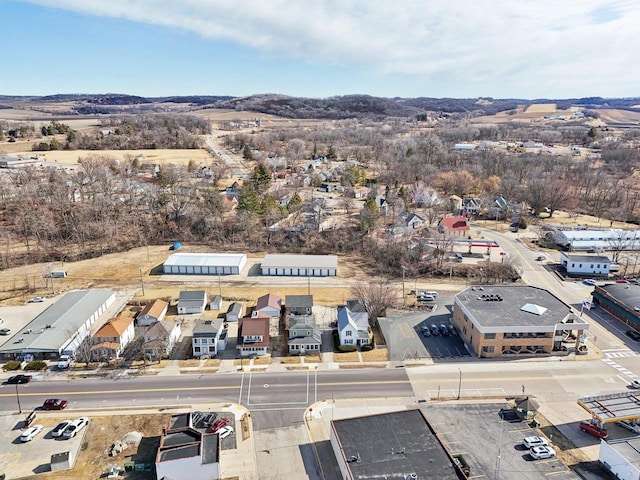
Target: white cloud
[(517, 44)]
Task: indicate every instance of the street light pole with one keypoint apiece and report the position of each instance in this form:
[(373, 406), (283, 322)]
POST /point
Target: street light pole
[(459, 383), (219, 282), (404, 297), (18, 397)]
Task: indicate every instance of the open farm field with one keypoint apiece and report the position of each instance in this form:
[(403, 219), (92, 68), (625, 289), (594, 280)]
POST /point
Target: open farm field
[(159, 156)]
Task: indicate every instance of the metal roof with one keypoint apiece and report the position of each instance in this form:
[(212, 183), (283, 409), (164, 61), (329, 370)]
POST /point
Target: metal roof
[(52, 329), (625, 293), (300, 261), (613, 407), (206, 259)]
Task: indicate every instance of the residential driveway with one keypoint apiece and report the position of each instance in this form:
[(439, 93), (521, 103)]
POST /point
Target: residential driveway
[(402, 331)]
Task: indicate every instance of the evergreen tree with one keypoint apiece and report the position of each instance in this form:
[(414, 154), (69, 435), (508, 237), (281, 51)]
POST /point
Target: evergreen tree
[(261, 178)]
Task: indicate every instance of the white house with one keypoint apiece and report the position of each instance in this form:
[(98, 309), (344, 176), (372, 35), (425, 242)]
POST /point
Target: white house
[(112, 338), (589, 265), (160, 338), (269, 305), (353, 327), (192, 301), (152, 312), (208, 338)]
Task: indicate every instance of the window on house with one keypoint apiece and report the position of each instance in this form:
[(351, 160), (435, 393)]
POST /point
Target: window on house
[(592, 265), (464, 330), (489, 336), (580, 265), (196, 349), (349, 333), (598, 266), (573, 265), (487, 349)]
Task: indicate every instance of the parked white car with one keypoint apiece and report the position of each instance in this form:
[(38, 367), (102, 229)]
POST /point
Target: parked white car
[(224, 432), (57, 431), (30, 432), (538, 453), (75, 426), (635, 385), (535, 441)]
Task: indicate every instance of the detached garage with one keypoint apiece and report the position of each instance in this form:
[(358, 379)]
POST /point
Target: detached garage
[(300, 265), (205, 263)]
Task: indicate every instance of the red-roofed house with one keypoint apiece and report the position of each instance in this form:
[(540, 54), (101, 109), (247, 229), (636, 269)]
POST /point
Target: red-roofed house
[(112, 338), (253, 336), (454, 225), (269, 304)]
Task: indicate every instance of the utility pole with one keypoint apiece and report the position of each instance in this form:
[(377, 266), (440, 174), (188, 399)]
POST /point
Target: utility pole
[(404, 297), (18, 397), (141, 281), (459, 383), (53, 290), (219, 282)]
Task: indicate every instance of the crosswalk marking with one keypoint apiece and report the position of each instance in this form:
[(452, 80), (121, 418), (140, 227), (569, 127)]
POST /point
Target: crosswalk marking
[(622, 354), (619, 367)]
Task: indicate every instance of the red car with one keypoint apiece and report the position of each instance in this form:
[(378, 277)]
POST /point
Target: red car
[(593, 429), (54, 404)]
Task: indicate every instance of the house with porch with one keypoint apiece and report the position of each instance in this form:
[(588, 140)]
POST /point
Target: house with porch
[(353, 327), (303, 335), (160, 338), (253, 336), (112, 338), (209, 337)]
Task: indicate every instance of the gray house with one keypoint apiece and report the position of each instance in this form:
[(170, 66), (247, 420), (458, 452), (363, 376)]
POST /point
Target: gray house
[(234, 312), (304, 336), (192, 302), (208, 338), (299, 304)]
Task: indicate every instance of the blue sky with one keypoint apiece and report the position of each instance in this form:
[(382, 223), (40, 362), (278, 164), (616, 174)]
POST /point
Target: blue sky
[(321, 48)]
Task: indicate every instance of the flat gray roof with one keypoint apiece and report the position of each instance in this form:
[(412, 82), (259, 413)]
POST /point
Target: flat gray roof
[(500, 306), (393, 445), (206, 259), (300, 261), (52, 329), (628, 448)]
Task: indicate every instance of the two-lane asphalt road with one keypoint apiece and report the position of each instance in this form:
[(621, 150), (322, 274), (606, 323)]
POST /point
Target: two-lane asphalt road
[(287, 393)]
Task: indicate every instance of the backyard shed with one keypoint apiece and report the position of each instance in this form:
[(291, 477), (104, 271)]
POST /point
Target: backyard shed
[(192, 302), (234, 312)]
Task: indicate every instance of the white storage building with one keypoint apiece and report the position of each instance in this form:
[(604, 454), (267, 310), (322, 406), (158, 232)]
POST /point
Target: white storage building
[(62, 327), (598, 240), (205, 263), (590, 265), (300, 265)]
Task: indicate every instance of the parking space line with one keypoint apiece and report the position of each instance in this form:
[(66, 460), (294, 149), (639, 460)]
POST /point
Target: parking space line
[(477, 476), (557, 472), (519, 429)]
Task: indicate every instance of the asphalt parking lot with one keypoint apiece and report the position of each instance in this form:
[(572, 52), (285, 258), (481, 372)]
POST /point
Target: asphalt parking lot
[(20, 459), (492, 447), (405, 341)]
